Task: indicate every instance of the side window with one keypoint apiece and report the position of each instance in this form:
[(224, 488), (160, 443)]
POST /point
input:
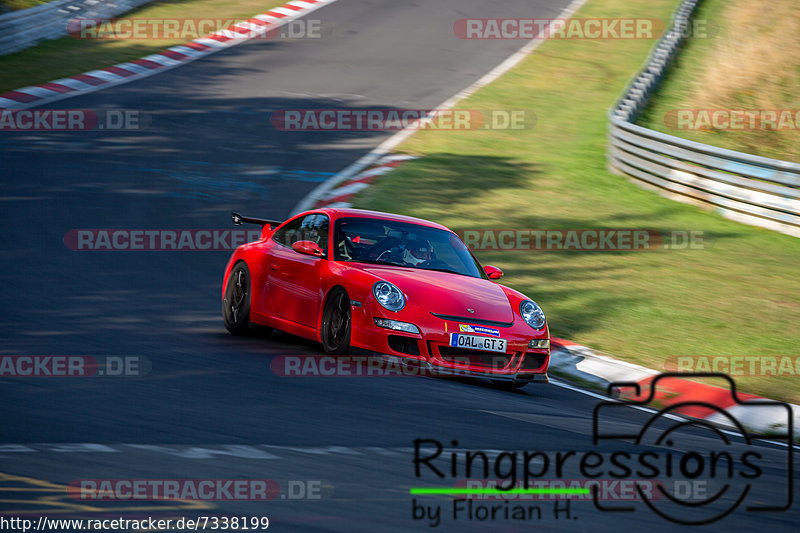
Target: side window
[(315, 228), (288, 234), (308, 228)]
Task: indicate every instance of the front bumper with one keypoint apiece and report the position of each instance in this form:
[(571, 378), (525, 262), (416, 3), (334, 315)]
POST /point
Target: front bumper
[(430, 349), (426, 368)]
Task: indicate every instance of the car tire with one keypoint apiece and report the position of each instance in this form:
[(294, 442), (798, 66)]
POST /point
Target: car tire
[(508, 385), (236, 303), (336, 323)]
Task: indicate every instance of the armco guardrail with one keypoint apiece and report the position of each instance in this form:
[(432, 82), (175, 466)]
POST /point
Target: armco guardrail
[(24, 28), (751, 189)]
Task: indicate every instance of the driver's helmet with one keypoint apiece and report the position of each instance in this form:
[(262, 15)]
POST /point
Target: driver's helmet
[(417, 251)]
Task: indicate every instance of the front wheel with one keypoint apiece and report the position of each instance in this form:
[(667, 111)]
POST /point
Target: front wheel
[(335, 330), (236, 303)]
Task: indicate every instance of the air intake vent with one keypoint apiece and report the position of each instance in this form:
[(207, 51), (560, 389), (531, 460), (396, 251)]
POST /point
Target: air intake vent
[(404, 345), (533, 361)]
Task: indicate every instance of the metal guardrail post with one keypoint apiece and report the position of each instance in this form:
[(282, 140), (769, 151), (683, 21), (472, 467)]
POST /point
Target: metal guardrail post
[(24, 28)]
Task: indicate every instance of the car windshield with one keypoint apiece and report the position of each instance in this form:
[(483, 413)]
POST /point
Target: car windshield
[(371, 240)]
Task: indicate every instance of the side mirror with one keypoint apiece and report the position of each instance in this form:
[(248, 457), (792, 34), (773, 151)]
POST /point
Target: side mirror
[(308, 248), (493, 272)]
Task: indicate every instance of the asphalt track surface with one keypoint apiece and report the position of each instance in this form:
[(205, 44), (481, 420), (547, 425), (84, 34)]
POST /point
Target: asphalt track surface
[(211, 407)]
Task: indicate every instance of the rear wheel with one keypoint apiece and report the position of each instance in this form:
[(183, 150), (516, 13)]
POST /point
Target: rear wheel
[(236, 304), (335, 331)]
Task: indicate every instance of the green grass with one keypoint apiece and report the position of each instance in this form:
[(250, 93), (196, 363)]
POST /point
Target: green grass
[(15, 5), (739, 297), (68, 56)]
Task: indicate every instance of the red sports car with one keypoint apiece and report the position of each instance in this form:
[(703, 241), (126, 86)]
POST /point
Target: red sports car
[(393, 285)]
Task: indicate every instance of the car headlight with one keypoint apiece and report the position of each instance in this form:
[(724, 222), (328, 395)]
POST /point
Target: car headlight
[(389, 296), (532, 314)]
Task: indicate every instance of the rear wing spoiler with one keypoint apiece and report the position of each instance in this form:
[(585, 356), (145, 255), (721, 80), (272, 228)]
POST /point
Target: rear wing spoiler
[(239, 220)]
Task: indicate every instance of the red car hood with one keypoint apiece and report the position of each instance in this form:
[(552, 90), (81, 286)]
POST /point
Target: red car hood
[(448, 294)]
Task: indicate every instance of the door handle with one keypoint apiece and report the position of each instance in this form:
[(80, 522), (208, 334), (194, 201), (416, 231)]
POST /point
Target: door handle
[(273, 266)]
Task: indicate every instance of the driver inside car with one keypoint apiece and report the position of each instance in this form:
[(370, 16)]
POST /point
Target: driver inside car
[(412, 252), (417, 252)]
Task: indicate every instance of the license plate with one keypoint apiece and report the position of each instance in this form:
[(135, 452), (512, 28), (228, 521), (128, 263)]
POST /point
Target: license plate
[(476, 342)]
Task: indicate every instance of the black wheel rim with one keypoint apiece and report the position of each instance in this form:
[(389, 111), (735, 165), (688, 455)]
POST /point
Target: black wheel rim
[(238, 294), (338, 321)]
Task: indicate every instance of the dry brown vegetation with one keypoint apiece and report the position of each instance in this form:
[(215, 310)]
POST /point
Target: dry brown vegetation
[(755, 64)]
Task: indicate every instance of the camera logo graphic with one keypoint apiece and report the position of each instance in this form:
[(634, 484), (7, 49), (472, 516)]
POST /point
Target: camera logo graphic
[(679, 451)]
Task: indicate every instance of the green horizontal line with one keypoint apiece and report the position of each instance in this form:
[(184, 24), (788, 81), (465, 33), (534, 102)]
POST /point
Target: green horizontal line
[(451, 490)]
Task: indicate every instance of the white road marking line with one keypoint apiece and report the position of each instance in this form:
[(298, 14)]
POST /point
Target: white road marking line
[(15, 448), (82, 447), (197, 452)]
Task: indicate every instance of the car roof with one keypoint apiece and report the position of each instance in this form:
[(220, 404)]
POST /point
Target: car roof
[(340, 212)]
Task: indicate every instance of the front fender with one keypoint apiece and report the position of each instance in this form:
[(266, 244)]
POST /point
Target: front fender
[(514, 299)]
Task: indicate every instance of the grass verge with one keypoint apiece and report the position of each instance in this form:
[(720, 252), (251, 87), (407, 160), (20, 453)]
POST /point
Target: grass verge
[(16, 5), (68, 56), (748, 59), (739, 296)]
